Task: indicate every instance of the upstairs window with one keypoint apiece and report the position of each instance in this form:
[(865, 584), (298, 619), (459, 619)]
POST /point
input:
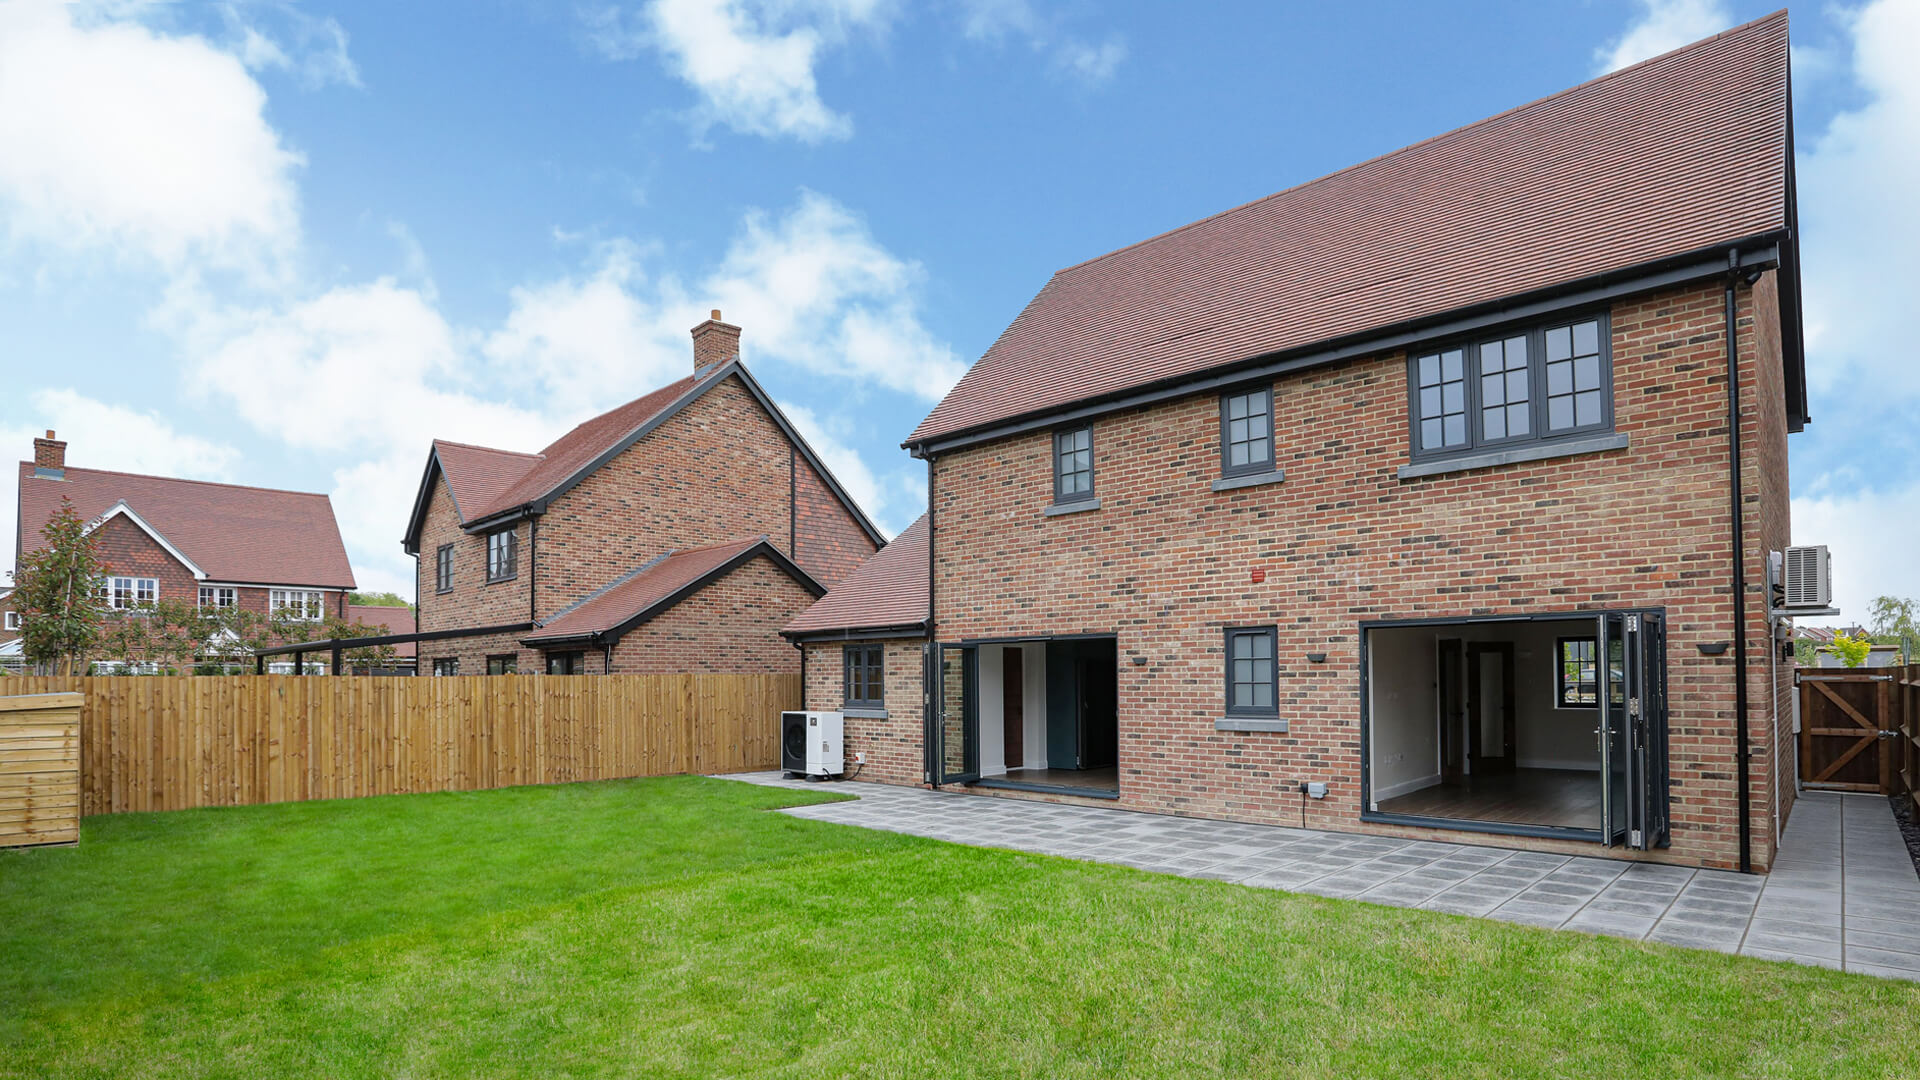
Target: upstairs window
[(1246, 432), (1073, 465), (866, 676), (304, 605), (1529, 386), (218, 596), (129, 593), (12, 620), (501, 549), (1252, 671), (443, 569)]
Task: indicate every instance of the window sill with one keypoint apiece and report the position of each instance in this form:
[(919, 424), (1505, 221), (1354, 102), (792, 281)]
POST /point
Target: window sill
[(502, 580), (443, 592), (856, 712), (1245, 723), (1078, 506), (1590, 444), (1235, 483)]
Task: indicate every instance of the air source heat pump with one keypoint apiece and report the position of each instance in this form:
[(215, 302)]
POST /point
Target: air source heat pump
[(1809, 577), (811, 743)]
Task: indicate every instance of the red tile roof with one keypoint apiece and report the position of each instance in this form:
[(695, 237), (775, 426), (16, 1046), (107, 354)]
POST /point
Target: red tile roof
[(246, 535), (889, 589), (662, 580), (390, 620), (476, 475), (578, 448), (1671, 156)]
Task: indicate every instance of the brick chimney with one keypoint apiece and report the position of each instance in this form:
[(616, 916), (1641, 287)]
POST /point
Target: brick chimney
[(50, 457), (714, 343)]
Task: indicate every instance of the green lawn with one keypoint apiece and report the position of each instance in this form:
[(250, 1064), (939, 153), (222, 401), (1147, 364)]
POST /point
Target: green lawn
[(672, 928)]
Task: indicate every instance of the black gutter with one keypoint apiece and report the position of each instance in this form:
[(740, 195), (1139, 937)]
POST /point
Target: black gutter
[(1764, 249), (857, 633), (1740, 747)]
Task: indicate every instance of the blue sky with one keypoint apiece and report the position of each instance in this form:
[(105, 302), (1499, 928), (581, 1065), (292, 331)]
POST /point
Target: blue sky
[(287, 244)]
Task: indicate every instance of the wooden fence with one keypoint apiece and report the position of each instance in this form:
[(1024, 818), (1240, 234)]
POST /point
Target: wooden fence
[(39, 769), (172, 742), (1860, 729)]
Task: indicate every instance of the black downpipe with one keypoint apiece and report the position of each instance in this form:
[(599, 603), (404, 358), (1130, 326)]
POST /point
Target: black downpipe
[(929, 664), (1740, 751)]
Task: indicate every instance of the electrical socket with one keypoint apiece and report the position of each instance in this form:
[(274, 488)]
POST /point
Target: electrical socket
[(859, 757)]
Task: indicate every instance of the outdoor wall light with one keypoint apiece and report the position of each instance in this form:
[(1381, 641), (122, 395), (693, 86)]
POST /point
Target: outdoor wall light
[(1139, 661), (1712, 648), (1316, 658)]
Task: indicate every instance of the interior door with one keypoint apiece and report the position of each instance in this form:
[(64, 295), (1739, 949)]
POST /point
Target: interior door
[(1614, 730), (1453, 710), (958, 732), (1490, 719)]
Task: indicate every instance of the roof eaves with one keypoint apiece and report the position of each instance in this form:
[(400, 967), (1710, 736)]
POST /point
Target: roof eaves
[(1659, 273)]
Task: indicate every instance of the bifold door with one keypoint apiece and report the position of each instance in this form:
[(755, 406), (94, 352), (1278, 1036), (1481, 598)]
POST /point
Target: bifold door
[(957, 734), (1633, 729)]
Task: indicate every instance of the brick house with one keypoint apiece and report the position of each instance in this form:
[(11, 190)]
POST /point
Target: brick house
[(675, 533), (214, 545), (1373, 504)]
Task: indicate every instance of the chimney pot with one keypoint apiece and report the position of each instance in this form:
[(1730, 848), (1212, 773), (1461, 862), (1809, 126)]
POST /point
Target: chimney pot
[(714, 343)]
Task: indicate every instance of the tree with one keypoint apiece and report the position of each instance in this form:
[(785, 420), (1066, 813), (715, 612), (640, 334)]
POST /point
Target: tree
[(1851, 650), (378, 599), (57, 591), (165, 638), (1896, 621)]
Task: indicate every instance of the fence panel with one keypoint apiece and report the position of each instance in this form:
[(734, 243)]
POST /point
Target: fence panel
[(173, 742)]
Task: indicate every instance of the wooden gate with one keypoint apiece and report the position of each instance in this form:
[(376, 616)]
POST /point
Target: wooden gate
[(1857, 728)]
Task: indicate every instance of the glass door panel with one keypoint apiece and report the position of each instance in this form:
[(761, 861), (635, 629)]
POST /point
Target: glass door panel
[(958, 731), (1648, 712), (1614, 731)]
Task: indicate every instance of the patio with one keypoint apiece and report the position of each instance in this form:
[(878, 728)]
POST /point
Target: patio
[(1843, 893)]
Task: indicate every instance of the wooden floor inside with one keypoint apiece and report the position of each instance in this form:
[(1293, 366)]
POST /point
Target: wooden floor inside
[(1564, 798), (1107, 779)]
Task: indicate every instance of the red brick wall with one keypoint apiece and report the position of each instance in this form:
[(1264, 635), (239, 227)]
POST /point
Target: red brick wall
[(472, 652), (891, 743), (130, 552), (732, 625), (716, 471), (472, 601), (828, 543), (1165, 564), (1770, 527)]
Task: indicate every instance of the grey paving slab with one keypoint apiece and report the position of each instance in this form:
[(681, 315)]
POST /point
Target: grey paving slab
[(1842, 893)]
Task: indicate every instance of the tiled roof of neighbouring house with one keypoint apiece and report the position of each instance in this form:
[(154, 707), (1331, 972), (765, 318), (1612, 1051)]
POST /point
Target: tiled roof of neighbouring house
[(476, 475), (663, 581), (244, 535), (888, 590), (391, 620), (1672, 156)]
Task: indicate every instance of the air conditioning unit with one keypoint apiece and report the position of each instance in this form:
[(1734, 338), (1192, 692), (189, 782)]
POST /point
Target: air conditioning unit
[(1808, 577), (812, 743)]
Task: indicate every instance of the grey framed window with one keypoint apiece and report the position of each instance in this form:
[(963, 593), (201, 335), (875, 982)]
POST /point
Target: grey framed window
[(1576, 673), (1252, 672), (443, 569), (502, 555), (447, 665), (563, 663), (866, 676), (1246, 432), (507, 664), (1528, 385), (1073, 465)]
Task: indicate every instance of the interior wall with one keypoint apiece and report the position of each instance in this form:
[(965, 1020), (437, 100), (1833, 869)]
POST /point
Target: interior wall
[(991, 711), (1401, 670), (1033, 664), (992, 708)]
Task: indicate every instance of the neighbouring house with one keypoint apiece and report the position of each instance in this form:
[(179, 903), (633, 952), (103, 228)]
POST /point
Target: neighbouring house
[(676, 533), (10, 649), (212, 545), (386, 621), (1401, 501)]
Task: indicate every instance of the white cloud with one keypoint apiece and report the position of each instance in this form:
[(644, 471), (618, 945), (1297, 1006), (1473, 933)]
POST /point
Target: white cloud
[(101, 435), (1664, 25), (1871, 535), (1858, 217), (1089, 62), (752, 61), (149, 147), (316, 55)]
